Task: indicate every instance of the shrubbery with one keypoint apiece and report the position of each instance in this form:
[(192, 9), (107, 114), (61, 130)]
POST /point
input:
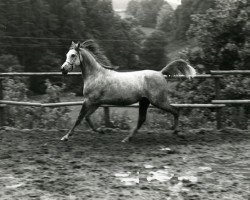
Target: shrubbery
[(220, 42), (203, 91), (33, 117)]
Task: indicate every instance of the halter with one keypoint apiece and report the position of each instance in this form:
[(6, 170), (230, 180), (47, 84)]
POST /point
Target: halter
[(78, 53), (71, 65)]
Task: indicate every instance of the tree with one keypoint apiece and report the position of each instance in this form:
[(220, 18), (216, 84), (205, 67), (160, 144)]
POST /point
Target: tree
[(124, 49), (153, 51), (25, 21), (145, 11), (39, 32), (99, 17), (133, 7), (183, 13), (221, 34), (165, 19), (10, 63), (74, 25)]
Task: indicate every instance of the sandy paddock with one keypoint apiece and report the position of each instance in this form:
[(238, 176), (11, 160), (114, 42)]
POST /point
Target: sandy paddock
[(203, 164)]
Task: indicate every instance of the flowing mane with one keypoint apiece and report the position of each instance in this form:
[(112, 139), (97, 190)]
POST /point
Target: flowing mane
[(93, 48)]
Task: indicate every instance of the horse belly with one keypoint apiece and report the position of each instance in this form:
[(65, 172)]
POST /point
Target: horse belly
[(122, 97), (122, 94)]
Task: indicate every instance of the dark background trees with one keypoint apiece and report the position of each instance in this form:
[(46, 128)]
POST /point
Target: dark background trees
[(210, 34), (213, 34), (145, 11), (39, 32)]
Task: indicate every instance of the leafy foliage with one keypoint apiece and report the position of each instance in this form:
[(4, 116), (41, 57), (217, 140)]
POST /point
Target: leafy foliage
[(165, 19), (31, 117), (39, 33), (153, 51), (221, 34), (127, 38), (221, 40), (9, 63), (183, 13), (236, 87), (145, 11)]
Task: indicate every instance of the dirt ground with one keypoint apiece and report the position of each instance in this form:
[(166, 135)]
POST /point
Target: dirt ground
[(202, 164)]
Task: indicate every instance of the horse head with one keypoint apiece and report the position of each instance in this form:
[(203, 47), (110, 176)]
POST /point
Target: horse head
[(72, 58), (89, 52)]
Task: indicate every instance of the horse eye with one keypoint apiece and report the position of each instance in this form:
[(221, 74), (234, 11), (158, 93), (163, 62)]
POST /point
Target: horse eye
[(73, 55)]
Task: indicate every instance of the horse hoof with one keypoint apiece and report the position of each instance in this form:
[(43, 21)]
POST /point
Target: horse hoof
[(64, 138), (175, 132), (127, 139), (101, 131)]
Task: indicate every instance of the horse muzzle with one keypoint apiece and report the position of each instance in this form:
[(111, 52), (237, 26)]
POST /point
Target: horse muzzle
[(64, 71), (66, 67)]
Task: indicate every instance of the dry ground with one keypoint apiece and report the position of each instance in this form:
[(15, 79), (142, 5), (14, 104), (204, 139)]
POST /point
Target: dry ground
[(203, 164)]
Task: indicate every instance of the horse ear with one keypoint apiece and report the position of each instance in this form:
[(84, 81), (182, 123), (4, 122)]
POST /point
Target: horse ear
[(72, 45), (78, 45)]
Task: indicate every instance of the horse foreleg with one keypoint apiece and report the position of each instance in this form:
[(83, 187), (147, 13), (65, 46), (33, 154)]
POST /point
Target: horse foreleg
[(84, 110), (90, 123), (143, 107)]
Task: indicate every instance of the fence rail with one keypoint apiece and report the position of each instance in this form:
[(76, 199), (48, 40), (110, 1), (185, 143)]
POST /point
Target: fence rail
[(13, 74), (78, 103), (217, 103), (246, 101), (229, 72)]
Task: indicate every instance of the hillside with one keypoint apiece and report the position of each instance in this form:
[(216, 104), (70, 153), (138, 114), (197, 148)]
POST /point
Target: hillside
[(122, 4)]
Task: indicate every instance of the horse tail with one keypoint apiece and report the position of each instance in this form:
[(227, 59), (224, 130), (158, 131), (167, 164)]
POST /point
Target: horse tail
[(179, 67)]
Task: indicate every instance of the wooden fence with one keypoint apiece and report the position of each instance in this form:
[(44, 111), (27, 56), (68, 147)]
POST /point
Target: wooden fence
[(216, 104)]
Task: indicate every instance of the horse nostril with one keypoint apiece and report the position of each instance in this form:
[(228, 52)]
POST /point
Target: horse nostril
[(64, 71)]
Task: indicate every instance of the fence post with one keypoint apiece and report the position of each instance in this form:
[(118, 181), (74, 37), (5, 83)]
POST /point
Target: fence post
[(243, 119), (217, 96), (2, 117), (107, 117), (239, 117)]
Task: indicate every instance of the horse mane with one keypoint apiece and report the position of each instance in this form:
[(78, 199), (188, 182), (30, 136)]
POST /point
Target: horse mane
[(95, 50)]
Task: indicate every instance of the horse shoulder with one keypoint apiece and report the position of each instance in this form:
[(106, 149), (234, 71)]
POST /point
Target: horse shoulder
[(94, 86)]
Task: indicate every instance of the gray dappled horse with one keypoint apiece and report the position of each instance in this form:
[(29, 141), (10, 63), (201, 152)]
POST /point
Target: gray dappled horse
[(103, 85)]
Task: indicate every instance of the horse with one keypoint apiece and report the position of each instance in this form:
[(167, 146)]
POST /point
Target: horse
[(102, 84)]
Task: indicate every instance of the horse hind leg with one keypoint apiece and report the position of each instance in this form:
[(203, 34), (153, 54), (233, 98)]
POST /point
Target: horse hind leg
[(143, 107), (90, 123), (175, 111), (164, 105)]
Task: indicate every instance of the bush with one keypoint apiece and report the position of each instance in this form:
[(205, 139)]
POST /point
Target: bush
[(203, 91), (10, 63), (33, 117)]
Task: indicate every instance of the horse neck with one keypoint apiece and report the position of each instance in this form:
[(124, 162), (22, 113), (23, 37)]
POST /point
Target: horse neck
[(89, 66)]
